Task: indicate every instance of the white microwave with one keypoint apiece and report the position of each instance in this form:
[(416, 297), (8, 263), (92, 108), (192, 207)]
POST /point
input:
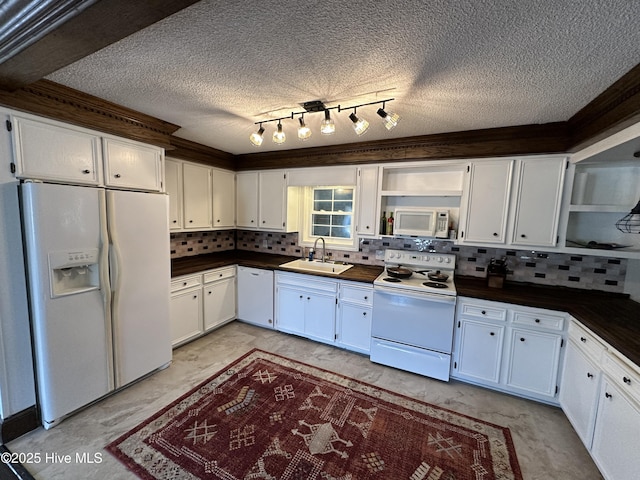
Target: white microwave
[(421, 222)]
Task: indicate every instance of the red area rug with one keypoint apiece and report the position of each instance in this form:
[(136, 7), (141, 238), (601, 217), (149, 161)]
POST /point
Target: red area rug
[(269, 417)]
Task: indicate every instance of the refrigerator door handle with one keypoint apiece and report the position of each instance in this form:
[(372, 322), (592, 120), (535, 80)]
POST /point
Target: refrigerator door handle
[(115, 264), (105, 283)]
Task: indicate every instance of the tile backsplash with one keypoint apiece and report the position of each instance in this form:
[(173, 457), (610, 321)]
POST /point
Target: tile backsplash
[(577, 271)]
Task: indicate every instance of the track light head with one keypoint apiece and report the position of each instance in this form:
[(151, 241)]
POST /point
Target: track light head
[(360, 125), (304, 132), (327, 126), (256, 137), (390, 119), (278, 136)]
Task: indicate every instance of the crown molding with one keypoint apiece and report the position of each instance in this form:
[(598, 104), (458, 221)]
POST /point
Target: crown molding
[(196, 152), (56, 101)]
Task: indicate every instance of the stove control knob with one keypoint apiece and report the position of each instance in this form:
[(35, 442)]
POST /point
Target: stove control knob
[(447, 260), (439, 259), (425, 258)]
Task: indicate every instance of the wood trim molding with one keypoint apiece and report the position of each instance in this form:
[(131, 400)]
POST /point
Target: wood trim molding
[(610, 112), (493, 142), (196, 152), (56, 101), (95, 27)]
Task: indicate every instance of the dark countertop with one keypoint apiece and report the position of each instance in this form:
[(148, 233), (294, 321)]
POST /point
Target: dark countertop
[(197, 263), (613, 317)]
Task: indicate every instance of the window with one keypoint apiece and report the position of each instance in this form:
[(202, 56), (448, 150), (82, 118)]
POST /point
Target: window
[(329, 213)]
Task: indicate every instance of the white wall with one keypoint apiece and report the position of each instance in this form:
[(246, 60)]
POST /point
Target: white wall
[(17, 390), (632, 281)]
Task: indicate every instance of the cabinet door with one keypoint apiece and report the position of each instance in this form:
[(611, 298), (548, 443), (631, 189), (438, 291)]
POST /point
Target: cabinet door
[(367, 201), (320, 317), (186, 315), (615, 440), (479, 351), (487, 203), (579, 392), (354, 327), (290, 309), (197, 196), (533, 362), (173, 184), (132, 165), (219, 302), (272, 206), (224, 199), (49, 151), (538, 201), (247, 200)]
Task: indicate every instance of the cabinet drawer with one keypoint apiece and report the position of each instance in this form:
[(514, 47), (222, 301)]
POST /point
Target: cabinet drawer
[(185, 282), (533, 319), (587, 342), (623, 375), (351, 293), (219, 274), (483, 311)]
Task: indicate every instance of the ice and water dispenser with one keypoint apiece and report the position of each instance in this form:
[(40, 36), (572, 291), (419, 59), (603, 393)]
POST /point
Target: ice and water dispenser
[(74, 271)]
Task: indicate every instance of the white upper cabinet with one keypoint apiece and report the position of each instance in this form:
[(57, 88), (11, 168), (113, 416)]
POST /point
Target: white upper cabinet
[(132, 165), (224, 198), (367, 191), (272, 206), (487, 202), (247, 199), (197, 196), (537, 202), (49, 150), (173, 184)]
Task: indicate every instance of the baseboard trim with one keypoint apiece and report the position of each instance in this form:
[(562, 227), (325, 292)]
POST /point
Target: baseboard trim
[(18, 424)]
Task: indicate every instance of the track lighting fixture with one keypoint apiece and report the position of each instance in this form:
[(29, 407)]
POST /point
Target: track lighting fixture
[(256, 137), (630, 223), (279, 136), (360, 125), (304, 132), (327, 125), (390, 119)]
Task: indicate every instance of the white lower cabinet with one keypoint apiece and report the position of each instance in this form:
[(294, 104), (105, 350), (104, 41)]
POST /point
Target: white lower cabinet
[(219, 297), (601, 397), (510, 348), (186, 309), (306, 305), (355, 308), (201, 302)]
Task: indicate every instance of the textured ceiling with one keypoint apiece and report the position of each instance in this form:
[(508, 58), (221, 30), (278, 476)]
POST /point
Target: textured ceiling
[(217, 67)]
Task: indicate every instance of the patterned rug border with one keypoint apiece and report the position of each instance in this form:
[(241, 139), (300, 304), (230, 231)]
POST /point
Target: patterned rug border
[(403, 400)]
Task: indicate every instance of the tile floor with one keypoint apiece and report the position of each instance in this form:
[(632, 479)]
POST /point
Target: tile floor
[(546, 445)]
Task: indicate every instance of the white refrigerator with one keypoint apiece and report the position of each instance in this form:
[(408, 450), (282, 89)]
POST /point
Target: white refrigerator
[(99, 275)]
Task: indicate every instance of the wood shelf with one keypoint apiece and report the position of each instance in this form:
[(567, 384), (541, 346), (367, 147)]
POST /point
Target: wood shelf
[(601, 208)]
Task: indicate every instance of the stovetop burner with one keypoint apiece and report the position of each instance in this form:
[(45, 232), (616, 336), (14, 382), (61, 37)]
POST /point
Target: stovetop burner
[(392, 280), (435, 284)]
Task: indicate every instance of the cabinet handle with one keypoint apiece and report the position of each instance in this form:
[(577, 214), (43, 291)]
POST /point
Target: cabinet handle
[(190, 221), (209, 292), (523, 236), (175, 221), (301, 296), (270, 321), (195, 296), (366, 298), (608, 395), (483, 312), (220, 275), (184, 284), (251, 221), (218, 220), (367, 227), (264, 221), (626, 380), (495, 234), (537, 320), (86, 171), (491, 333), (117, 175), (364, 314), (308, 298), (522, 339), (583, 340), (589, 375)]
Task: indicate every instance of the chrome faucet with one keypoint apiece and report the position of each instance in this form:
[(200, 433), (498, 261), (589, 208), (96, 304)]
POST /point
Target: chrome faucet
[(315, 247)]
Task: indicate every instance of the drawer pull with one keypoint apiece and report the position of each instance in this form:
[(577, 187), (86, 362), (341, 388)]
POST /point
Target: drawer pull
[(589, 375), (608, 395), (184, 284), (366, 298), (364, 314), (195, 297), (522, 339), (495, 234), (117, 175), (491, 333), (583, 340), (86, 171), (483, 312), (626, 380), (537, 320)]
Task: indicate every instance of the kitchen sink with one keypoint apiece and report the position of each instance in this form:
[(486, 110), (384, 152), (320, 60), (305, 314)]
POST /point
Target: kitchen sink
[(304, 265)]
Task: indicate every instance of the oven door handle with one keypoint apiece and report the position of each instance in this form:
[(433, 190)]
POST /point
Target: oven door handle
[(419, 296)]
